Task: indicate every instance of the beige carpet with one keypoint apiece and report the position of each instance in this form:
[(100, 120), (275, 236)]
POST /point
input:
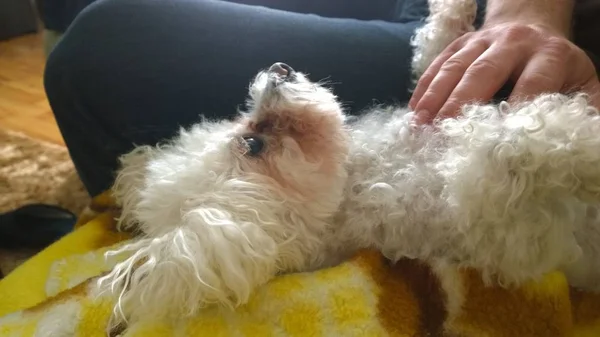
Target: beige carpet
[(32, 171)]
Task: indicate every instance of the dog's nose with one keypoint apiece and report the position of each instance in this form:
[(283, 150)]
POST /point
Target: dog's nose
[(281, 69)]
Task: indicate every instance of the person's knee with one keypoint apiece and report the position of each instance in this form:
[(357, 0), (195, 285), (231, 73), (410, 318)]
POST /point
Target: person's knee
[(55, 78), (80, 56), (70, 52)]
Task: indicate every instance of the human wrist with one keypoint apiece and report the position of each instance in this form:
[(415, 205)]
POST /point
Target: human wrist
[(550, 15)]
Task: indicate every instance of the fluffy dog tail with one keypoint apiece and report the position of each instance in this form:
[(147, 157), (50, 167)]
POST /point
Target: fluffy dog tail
[(447, 20)]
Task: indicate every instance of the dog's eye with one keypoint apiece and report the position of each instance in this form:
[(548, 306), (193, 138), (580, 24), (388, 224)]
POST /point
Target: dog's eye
[(255, 145)]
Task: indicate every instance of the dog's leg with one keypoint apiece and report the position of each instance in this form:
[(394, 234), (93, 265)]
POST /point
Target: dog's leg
[(585, 272), (516, 179), (207, 259), (447, 20)]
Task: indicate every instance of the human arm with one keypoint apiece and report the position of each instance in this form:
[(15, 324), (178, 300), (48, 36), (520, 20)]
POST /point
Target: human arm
[(525, 42), (554, 15)]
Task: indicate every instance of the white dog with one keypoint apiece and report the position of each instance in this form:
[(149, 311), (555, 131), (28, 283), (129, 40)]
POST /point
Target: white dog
[(293, 184)]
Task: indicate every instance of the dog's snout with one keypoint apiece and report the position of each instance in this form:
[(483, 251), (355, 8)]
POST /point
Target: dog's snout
[(281, 69)]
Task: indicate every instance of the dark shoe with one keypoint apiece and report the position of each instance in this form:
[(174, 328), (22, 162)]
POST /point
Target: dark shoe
[(34, 226)]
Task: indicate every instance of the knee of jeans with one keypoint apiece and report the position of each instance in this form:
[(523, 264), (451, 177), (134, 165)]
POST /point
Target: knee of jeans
[(104, 34), (76, 52), (54, 79)]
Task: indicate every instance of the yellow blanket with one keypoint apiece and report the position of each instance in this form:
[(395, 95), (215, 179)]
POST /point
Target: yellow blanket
[(365, 296)]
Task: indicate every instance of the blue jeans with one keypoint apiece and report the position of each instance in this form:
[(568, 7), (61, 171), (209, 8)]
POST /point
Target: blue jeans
[(132, 72)]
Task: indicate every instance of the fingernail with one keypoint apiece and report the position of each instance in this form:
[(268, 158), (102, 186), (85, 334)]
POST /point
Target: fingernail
[(423, 114), (421, 117)]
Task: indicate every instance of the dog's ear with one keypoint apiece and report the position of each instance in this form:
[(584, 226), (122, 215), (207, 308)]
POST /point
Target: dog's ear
[(207, 259), (129, 182)]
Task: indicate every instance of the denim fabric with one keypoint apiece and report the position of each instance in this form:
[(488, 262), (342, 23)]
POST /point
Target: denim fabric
[(57, 15), (132, 72)]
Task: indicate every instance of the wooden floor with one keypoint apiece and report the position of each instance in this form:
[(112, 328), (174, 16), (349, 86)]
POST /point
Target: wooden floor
[(23, 103)]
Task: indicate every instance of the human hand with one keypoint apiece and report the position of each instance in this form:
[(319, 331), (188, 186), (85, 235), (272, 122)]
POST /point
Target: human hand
[(537, 59)]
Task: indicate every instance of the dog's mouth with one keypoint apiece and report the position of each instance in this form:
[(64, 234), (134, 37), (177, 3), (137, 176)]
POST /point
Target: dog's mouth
[(280, 73), (281, 82)]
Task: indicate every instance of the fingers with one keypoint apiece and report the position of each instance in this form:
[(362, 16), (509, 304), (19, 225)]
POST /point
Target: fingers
[(592, 88), (431, 72), (475, 67), (447, 77), (543, 74), (483, 79), (583, 68)]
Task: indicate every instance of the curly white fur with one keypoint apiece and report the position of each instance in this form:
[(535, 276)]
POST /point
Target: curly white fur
[(501, 189), (447, 20), (211, 217), (509, 190)]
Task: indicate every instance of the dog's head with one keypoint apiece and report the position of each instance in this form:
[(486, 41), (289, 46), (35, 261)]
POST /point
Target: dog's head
[(278, 169), (293, 139)]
